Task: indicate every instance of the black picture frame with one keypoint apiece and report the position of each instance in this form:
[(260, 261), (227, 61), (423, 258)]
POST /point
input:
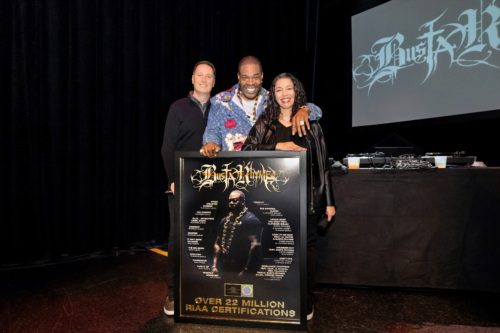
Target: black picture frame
[(270, 290)]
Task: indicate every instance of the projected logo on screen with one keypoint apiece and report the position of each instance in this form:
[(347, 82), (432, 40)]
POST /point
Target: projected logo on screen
[(470, 41)]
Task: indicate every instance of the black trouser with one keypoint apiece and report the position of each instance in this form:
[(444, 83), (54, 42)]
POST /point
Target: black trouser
[(312, 240), (170, 258)]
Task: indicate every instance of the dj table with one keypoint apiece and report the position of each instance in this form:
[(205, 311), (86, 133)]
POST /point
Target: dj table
[(434, 228)]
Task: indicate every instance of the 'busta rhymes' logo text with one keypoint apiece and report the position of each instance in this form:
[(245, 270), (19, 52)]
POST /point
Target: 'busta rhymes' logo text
[(240, 176), (471, 41)]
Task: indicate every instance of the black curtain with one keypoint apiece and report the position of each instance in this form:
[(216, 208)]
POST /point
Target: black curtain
[(88, 85)]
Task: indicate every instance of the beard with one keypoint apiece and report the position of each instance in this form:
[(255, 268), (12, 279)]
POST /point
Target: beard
[(236, 209)]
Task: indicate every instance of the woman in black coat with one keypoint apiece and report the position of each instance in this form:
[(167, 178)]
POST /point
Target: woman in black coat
[(273, 131)]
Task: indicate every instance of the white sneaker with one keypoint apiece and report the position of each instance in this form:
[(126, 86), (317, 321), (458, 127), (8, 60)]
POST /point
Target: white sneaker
[(168, 308), (310, 315)]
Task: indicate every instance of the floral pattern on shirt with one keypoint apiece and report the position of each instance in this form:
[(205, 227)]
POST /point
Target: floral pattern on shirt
[(228, 124)]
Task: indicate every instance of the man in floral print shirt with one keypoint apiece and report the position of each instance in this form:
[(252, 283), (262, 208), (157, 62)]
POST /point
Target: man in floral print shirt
[(234, 112)]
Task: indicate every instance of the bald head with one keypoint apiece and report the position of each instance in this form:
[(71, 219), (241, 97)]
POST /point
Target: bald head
[(236, 199), (249, 60), (250, 78)]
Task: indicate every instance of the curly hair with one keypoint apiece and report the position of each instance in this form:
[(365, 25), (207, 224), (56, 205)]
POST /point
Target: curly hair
[(272, 110)]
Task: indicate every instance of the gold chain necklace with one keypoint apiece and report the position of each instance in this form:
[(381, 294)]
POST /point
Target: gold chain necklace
[(227, 235)]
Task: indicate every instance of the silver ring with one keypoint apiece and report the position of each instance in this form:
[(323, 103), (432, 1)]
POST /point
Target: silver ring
[(301, 123)]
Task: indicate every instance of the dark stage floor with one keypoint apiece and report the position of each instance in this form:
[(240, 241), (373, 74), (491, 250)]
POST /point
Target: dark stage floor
[(125, 293)]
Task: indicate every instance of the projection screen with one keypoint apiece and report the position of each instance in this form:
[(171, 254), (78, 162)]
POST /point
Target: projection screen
[(420, 59)]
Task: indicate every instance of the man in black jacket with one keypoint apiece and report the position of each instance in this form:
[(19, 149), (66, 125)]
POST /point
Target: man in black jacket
[(186, 122)]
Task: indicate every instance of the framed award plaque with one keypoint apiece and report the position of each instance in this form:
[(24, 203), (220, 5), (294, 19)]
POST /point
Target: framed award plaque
[(240, 225)]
